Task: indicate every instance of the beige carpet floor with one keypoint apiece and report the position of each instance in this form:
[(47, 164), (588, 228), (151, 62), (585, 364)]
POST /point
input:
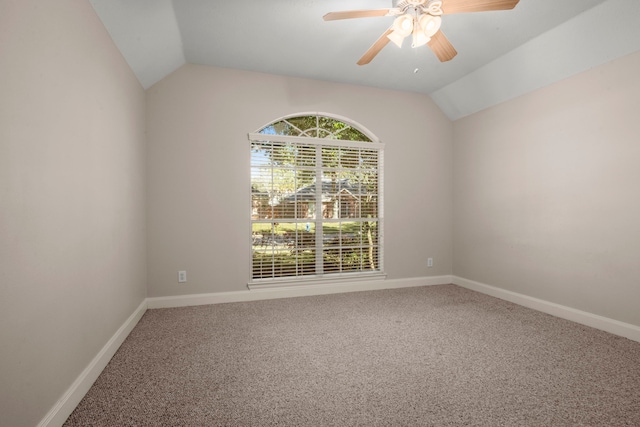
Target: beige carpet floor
[(428, 356)]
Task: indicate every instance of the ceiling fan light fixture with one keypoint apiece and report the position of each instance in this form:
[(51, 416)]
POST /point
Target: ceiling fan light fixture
[(396, 38), (420, 39), (403, 25), (429, 24)]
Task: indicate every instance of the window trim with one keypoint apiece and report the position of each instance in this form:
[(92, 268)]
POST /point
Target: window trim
[(333, 277), (350, 122)]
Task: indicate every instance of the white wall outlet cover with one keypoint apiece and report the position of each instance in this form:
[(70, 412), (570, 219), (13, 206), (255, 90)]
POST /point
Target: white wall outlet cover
[(182, 276)]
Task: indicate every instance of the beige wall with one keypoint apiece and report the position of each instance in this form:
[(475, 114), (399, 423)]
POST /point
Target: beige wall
[(546, 193), (72, 223), (198, 172)]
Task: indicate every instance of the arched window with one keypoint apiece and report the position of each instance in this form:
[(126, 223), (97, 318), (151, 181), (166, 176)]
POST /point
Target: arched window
[(316, 200)]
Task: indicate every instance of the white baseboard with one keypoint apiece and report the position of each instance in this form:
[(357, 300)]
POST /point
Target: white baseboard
[(584, 318), (68, 402), (293, 291)]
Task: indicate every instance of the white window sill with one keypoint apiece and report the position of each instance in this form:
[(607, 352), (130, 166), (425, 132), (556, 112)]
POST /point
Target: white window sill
[(316, 281)]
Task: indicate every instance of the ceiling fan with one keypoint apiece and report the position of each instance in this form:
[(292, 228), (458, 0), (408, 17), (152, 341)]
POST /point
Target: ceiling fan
[(421, 19)]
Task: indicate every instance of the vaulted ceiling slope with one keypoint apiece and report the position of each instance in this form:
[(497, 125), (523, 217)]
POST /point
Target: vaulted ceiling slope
[(501, 54)]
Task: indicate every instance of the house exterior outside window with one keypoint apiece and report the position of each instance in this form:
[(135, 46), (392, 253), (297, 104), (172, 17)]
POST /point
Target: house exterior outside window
[(316, 200)]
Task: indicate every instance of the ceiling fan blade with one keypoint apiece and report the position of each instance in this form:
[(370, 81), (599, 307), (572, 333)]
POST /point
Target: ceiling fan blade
[(348, 14), (375, 48), (442, 47), (462, 6)]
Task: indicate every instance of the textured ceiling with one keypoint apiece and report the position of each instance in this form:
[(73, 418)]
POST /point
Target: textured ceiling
[(500, 54)]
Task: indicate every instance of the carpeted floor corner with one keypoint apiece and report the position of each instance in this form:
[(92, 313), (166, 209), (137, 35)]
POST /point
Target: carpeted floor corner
[(427, 356)]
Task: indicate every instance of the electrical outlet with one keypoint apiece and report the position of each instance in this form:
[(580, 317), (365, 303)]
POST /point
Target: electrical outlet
[(182, 276), (430, 262)]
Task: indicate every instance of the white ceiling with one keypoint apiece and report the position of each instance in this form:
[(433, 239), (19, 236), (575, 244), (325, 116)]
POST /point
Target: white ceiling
[(501, 54)]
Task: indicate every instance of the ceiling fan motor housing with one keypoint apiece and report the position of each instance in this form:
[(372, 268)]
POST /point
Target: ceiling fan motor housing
[(432, 7)]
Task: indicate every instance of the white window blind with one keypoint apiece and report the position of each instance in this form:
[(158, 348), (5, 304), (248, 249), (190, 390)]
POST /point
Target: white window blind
[(316, 202)]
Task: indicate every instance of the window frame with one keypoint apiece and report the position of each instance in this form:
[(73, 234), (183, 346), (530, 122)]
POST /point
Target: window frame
[(375, 145)]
